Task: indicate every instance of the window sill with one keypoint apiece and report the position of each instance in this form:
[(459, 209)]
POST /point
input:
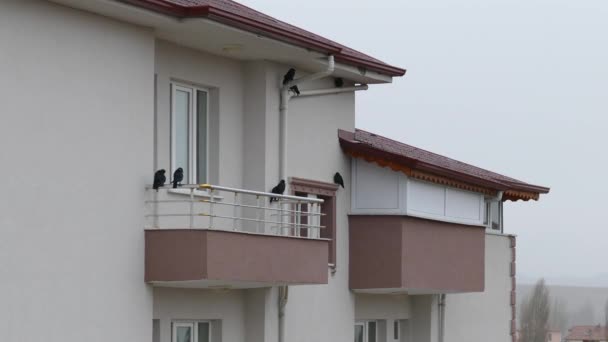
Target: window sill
[(197, 193)]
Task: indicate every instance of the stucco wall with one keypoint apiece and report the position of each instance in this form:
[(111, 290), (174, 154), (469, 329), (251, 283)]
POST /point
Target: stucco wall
[(76, 99), (382, 306), (475, 316), (226, 306), (224, 78)]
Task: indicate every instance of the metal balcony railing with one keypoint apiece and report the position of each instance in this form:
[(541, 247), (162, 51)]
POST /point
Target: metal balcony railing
[(205, 206)]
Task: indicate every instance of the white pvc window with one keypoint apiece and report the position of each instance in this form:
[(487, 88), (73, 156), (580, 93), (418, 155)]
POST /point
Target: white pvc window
[(190, 132), (191, 331), (493, 216), (366, 331)]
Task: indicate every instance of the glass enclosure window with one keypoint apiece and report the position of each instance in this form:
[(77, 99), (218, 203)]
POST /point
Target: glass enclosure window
[(189, 132), (493, 215)]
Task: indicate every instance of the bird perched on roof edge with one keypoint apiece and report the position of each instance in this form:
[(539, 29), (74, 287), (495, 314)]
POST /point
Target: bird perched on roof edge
[(159, 179), (279, 189), (178, 177), (339, 82), (338, 179)]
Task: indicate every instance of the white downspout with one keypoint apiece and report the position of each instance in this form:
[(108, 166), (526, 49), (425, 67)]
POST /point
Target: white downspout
[(441, 325)]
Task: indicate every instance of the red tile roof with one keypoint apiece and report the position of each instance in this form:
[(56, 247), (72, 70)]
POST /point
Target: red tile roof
[(240, 16), (366, 143), (587, 333)]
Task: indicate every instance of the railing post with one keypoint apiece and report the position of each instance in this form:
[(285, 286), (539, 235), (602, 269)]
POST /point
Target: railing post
[(261, 213), (312, 216), (298, 218), (234, 211), (191, 208), (211, 200)]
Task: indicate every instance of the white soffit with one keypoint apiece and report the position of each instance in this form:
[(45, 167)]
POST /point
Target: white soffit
[(219, 39)]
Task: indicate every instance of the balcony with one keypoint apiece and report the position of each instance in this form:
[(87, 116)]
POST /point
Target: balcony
[(402, 254), (205, 236)]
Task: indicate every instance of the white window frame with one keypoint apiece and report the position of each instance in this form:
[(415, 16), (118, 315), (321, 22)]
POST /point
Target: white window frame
[(365, 325), (190, 324), (488, 216), (192, 136)]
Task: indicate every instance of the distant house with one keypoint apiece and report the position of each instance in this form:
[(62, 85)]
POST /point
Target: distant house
[(553, 335), (587, 333)]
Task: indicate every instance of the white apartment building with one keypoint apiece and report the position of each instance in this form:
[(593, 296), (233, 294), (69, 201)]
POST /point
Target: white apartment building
[(96, 95)]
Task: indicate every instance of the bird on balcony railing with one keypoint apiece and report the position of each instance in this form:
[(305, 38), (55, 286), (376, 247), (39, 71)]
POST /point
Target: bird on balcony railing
[(178, 177), (279, 189), (159, 179)]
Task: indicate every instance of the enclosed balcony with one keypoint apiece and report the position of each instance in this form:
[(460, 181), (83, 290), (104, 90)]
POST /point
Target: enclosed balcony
[(205, 236), (401, 254)]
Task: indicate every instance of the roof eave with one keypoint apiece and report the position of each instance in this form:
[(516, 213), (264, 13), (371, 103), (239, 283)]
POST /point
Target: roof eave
[(247, 24), (348, 141)]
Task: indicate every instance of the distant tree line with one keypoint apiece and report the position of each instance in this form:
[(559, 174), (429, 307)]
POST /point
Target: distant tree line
[(539, 313)]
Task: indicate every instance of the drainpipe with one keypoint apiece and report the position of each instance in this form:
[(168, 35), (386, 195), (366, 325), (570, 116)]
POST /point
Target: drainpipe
[(441, 325), (283, 296), (283, 111)]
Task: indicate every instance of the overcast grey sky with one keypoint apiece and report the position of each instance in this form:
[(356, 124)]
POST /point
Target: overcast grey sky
[(516, 86)]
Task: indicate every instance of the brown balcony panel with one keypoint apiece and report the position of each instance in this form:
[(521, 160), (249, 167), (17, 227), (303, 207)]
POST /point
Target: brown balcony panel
[(392, 254), (223, 259)]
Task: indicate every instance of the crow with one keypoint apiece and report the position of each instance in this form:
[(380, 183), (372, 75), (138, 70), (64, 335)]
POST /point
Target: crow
[(159, 179), (339, 82), (338, 179), (289, 76), (178, 177), (295, 89), (279, 190)]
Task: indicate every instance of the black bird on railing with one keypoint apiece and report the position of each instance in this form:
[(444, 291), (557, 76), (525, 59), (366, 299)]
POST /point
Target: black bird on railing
[(279, 189), (339, 82), (178, 177), (289, 76), (159, 179), (338, 179)]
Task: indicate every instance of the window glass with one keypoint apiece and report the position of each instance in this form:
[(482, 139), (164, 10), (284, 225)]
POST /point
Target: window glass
[(201, 136), (183, 334), (182, 138), (396, 330), (203, 332), (371, 332), (495, 215), (359, 333)]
